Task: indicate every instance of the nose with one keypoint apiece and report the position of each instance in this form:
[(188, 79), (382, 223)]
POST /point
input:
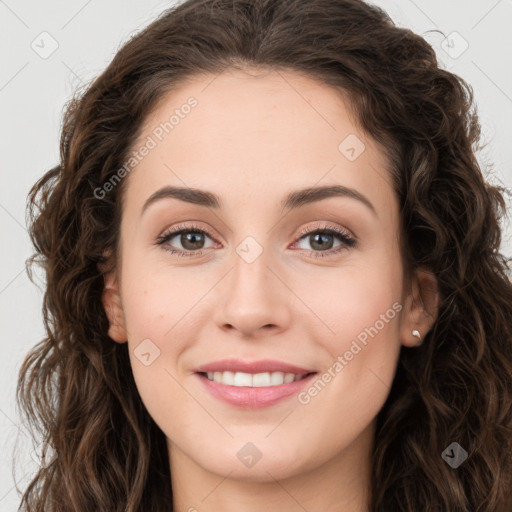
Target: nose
[(254, 299)]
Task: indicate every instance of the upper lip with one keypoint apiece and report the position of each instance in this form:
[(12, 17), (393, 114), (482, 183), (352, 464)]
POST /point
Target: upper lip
[(261, 366)]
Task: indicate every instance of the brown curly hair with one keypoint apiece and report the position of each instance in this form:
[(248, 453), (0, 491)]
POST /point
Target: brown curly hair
[(102, 450)]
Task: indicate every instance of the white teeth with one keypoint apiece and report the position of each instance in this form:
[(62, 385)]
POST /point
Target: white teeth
[(242, 379), (260, 379), (227, 378), (276, 378)]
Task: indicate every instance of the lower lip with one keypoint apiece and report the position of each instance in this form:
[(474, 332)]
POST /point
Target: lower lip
[(254, 397)]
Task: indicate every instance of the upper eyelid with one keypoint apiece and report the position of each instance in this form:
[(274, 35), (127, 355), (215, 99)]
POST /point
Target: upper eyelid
[(176, 230), (348, 241)]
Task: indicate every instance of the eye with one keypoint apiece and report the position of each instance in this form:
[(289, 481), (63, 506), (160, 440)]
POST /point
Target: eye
[(192, 239), (322, 238)]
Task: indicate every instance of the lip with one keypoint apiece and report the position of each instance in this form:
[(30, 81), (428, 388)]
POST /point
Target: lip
[(247, 397), (260, 366)]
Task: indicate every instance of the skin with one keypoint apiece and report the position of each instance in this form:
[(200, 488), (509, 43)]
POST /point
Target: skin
[(253, 138)]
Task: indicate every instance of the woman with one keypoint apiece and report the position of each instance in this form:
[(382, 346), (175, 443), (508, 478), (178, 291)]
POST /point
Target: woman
[(273, 275)]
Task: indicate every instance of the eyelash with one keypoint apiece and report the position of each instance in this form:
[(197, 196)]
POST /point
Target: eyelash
[(342, 235)]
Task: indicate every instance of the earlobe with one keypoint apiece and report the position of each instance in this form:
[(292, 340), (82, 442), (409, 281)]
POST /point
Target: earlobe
[(421, 308), (113, 308)]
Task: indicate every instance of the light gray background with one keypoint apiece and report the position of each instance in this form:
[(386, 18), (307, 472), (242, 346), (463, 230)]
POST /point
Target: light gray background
[(33, 91)]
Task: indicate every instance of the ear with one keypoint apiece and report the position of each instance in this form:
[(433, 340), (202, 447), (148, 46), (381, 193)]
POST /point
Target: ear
[(420, 307), (113, 308)]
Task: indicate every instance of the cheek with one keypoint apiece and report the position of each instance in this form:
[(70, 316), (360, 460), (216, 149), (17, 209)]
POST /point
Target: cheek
[(362, 310), (361, 307), (352, 298), (156, 298), (156, 317)]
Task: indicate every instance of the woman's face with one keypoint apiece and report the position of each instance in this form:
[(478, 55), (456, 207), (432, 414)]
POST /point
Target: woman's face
[(226, 160)]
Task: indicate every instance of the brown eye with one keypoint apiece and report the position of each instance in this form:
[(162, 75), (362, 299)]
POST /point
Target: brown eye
[(190, 238), (321, 240)]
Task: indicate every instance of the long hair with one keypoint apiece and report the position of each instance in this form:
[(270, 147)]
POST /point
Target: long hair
[(102, 450)]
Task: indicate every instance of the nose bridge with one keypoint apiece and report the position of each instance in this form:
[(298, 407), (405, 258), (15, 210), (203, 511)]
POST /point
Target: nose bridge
[(251, 279), (253, 297)]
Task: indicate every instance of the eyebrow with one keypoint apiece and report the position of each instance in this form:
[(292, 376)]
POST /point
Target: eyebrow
[(293, 200)]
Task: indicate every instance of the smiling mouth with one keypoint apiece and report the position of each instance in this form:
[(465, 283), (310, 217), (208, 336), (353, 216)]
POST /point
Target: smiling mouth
[(253, 380)]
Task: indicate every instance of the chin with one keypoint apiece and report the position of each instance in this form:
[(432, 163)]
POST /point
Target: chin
[(254, 462)]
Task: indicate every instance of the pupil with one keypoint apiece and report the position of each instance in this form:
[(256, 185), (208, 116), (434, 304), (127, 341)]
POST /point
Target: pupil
[(192, 237), (324, 240)]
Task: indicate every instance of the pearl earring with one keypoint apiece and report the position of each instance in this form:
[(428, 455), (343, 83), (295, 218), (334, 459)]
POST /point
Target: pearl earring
[(417, 335)]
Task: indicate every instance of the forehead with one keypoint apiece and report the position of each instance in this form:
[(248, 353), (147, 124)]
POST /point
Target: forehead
[(254, 133)]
